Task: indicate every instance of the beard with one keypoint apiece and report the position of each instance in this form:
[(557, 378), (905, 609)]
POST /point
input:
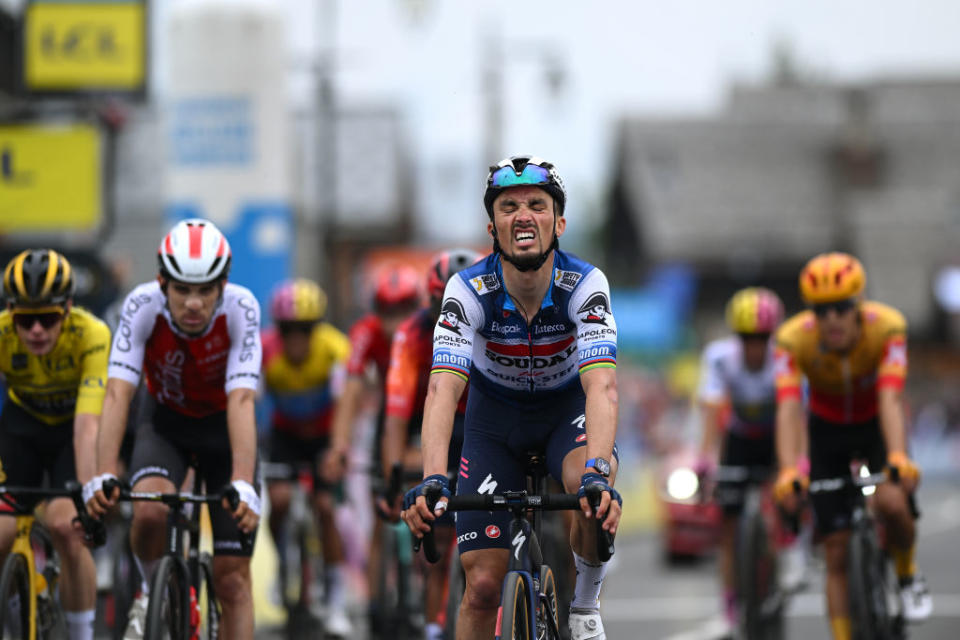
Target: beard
[(527, 262)]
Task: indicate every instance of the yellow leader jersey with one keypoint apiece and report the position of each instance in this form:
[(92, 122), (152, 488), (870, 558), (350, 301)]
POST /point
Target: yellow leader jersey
[(70, 379), (843, 386)]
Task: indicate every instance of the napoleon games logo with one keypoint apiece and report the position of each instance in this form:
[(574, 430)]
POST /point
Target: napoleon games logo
[(452, 316), (595, 309)]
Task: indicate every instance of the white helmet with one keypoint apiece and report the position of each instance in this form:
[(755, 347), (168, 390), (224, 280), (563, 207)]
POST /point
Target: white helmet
[(195, 252)]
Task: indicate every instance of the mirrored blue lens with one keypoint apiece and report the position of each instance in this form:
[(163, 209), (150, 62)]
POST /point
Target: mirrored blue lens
[(531, 174)]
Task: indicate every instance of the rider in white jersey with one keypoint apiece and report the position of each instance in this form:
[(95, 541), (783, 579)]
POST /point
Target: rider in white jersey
[(195, 339), (530, 327)]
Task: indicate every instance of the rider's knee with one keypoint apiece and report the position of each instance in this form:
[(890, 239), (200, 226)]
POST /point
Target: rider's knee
[(63, 535), (232, 584), (891, 505), (835, 551), (483, 590), (149, 519)]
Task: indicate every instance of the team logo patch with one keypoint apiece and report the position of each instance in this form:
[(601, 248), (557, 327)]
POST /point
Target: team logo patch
[(485, 283), (492, 531), (582, 437), (566, 279), (452, 316), (595, 309)]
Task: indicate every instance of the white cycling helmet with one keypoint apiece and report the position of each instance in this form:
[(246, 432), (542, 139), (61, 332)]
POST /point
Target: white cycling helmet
[(195, 252)]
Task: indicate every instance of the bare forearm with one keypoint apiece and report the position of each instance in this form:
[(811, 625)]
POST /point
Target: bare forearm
[(710, 418), (438, 413), (394, 437), (113, 422), (788, 437), (85, 426), (345, 413), (242, 430), (891, 420), (600, 387)]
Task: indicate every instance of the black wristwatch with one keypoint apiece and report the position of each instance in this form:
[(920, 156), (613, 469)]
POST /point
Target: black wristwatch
[(599, 465)]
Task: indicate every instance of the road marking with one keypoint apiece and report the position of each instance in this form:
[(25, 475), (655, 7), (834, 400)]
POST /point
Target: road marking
[(803, 605)]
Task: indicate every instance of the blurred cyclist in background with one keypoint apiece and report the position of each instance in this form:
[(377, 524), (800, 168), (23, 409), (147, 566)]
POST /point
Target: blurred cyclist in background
[(397, 293), (738, 408), (411, 358), (53, 357), (853, 353), (302, 356)]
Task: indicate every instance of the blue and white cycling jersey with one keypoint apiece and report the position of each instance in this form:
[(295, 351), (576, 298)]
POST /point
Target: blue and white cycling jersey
[(481, 336)]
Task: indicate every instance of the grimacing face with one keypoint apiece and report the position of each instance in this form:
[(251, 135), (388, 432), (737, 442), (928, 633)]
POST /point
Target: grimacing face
[(525, 221)]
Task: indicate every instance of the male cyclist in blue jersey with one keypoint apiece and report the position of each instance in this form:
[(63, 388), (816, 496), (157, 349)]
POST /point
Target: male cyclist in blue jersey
[(530, 328)]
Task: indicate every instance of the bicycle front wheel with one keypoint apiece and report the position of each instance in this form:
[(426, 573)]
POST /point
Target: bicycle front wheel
[(205, 615), (168, 615), (548, 607), (756, 577), (514, 612), (15, 594), (869, 615)]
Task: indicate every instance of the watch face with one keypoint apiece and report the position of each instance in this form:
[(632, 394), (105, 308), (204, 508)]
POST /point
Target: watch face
[(602, 467)]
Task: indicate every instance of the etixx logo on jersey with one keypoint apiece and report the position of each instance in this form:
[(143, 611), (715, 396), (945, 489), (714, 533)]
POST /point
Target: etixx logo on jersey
[(595, 309), (452, 316)]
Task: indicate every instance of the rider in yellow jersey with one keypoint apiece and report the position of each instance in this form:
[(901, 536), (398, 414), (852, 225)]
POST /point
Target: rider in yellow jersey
[(53, 357), (301, 359), (853, 354)]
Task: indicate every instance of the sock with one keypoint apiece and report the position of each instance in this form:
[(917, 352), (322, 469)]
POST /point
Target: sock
[(433, 631), (334, 584), (841, 628), (586, 593), (903, 559), (146, 571), (730, 606), (80, 624)]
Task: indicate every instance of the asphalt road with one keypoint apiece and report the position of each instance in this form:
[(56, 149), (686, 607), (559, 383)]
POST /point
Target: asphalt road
[(644, 598)]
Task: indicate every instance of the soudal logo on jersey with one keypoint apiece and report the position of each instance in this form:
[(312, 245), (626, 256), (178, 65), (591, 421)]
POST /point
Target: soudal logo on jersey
[(525, 356), (492, 531), (452, 316), (595, 309)]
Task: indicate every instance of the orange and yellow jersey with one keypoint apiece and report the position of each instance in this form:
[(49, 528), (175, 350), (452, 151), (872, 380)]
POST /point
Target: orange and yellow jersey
[(302, 395), (843, 386), (71, 379)]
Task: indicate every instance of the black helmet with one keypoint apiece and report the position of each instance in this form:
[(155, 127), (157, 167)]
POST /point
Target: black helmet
[(524, 170), (38, 277)]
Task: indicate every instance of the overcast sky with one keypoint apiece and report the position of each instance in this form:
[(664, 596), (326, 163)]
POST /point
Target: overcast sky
[(660, 58)]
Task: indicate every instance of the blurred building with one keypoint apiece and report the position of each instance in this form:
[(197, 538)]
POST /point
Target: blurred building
[(789, 170)]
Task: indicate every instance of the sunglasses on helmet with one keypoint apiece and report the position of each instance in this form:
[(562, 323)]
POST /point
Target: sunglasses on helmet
[(531, 174), (294, 327), (47, 320), (840, 307)]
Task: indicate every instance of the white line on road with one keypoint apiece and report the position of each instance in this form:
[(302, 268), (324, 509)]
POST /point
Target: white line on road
[(804, 605)]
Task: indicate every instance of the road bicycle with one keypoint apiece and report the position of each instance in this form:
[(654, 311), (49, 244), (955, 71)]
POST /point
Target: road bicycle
[(760, 601), (28, 580), (183, 604), (875, 608), (299, 549), (529, 605)]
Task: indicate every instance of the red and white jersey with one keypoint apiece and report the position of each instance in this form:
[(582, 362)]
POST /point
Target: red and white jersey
[(189, 374)]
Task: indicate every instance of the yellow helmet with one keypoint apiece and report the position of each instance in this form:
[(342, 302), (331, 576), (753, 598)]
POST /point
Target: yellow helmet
[(38, 277), (754, 310), (830, 277), (299, 300)]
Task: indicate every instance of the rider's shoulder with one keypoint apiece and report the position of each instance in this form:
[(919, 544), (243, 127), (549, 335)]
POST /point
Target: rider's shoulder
[(234, 293), (882, 317), (146, 297), (722, 348)]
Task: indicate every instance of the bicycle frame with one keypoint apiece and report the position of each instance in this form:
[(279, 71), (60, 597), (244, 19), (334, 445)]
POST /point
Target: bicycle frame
[(37, 582)]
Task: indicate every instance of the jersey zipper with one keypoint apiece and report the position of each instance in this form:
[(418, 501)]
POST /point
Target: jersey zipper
[(530, 359)]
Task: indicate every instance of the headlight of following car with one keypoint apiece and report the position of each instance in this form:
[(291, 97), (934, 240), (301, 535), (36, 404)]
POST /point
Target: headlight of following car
[(682, 484)]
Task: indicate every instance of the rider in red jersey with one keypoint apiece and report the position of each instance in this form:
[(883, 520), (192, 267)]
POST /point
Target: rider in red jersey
[(195, 338), (411, 358)]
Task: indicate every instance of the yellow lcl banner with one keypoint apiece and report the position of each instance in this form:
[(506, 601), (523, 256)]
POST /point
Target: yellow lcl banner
[(84, 46), (50, 177)]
